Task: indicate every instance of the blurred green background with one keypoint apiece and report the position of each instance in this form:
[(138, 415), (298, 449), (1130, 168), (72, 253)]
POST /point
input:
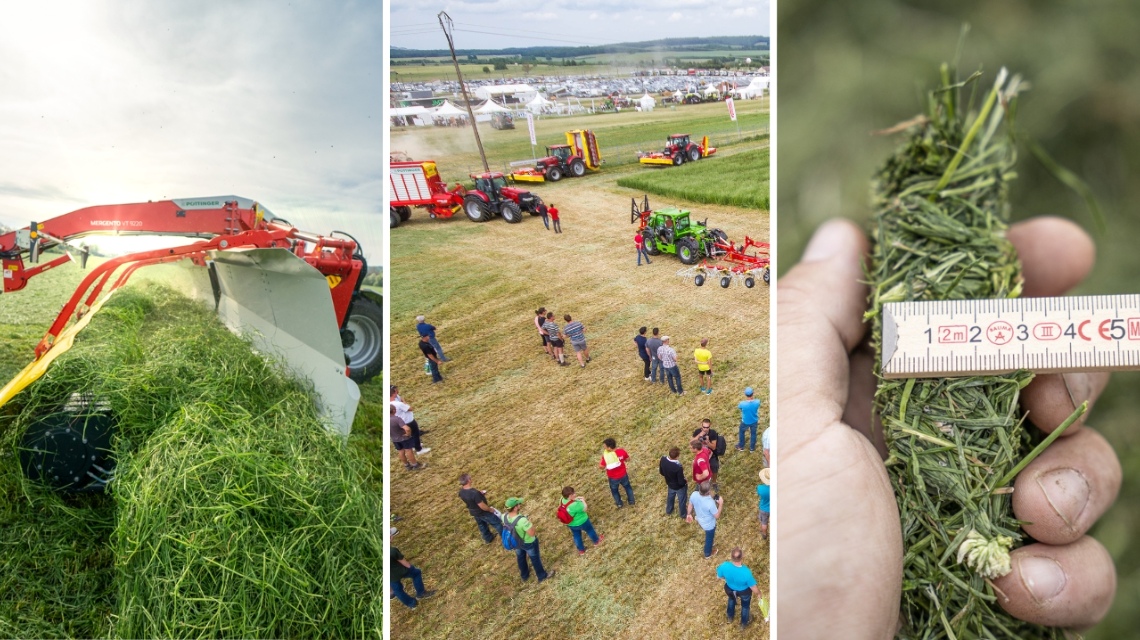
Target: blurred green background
[(848, 68)]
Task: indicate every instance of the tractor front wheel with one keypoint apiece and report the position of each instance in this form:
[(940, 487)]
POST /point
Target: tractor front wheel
[(554, 174), (476, 209), (694, 153), (511, 212), (577, 168), (687, 251), (363, 340), (678, 158), (650, 243)]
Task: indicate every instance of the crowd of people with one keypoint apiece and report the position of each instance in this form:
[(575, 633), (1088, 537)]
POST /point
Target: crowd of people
[(702, 505)]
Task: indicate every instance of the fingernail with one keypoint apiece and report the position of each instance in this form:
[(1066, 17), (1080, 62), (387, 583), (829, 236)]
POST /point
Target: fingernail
[(1067, 491), (1079, 386), (1042, 577), (827, 241)]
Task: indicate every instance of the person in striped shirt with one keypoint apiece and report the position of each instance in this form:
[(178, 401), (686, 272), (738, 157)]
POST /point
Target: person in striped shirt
[(555, 337), (668, 357), (577, 334)]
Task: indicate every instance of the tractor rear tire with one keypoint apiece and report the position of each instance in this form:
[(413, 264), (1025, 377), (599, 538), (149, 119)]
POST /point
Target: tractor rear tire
[(577, 168), (554, 174), (405, 213), (476, 209), (725, 281), (699, 279), (687, 251), (749, 282), (394, 218), (694, 153), (650, 243), (363, 340), (511, 212), (678, 158)]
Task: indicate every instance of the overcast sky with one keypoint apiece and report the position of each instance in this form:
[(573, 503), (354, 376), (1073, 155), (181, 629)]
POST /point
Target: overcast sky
[(105, 102), (525, 23)]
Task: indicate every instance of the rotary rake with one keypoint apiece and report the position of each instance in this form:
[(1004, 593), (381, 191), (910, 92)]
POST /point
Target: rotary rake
[(727, 262)]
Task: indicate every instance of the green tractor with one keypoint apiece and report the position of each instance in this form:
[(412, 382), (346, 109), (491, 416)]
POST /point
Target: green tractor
[(670, 230)]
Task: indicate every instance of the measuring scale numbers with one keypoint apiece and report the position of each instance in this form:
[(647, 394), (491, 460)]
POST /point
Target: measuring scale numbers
[(977, 337)]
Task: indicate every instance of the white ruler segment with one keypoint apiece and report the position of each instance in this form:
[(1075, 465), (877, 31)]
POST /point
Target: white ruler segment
[(976, 337)]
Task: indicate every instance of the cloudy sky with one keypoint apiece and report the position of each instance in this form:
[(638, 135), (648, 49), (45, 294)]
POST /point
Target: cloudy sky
[(115, 101), (522, 23)]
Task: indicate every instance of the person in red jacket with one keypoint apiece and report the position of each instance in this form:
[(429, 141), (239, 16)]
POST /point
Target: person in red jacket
[(553, 211), (639, 242), (613, 461)]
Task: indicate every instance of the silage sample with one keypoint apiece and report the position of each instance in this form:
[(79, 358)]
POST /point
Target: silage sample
[(235, 513), (941, 214)]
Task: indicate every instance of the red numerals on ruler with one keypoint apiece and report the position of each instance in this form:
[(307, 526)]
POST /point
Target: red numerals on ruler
[(1000, 332)]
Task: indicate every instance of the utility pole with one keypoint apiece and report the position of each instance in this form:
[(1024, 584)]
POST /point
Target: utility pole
[(445, 23)]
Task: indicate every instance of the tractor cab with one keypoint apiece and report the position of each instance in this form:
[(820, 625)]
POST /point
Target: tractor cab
[(560, 151), (489, 183), (677, 141)]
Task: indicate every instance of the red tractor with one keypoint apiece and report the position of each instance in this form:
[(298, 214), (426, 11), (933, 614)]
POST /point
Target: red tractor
[(491, 196), (418, 184), (571, 159), (678, 149)]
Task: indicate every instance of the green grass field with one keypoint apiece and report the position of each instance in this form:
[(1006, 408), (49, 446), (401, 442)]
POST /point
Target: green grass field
[(522, 426), (741, 181), (620, 135)]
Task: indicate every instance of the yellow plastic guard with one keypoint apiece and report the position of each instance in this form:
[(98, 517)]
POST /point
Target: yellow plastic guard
[(37, 368)]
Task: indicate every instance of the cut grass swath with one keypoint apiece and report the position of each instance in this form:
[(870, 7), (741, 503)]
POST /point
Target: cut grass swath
[(939, 231), (233, 512), (740, 180)]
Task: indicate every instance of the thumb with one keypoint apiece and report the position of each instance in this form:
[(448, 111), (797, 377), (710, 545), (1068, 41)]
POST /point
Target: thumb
[(820, 305)]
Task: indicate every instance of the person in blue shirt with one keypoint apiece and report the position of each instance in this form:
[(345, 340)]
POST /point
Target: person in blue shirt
[(764, 490), (749, 419), (425, 329), (738, 583)]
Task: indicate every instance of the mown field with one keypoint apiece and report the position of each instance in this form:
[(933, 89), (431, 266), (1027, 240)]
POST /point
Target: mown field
[(620, 135), (57, 570), (522, 426)]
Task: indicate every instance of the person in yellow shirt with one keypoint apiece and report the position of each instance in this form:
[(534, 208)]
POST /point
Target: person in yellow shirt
[(704, 365)]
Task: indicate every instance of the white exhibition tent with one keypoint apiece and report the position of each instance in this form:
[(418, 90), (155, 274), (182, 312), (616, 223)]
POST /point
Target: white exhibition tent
[(756, 88), (448, 109), (523, 92), (647, 102), (539, 104), (490, 106), (711, 90), (417, 116)]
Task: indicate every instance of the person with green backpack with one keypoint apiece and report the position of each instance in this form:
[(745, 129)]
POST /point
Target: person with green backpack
[(572, 513), (518, 536)]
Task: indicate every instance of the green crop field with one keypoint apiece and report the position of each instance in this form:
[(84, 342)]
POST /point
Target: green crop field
[(523, 426), (620, 135), (739, 180)]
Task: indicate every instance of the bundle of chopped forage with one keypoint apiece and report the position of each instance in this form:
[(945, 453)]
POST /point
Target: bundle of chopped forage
[(955, 444)]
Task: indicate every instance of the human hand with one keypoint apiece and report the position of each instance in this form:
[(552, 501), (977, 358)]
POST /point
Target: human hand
[(839, 520)]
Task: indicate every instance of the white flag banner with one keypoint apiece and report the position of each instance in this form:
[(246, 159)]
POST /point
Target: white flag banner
[(530, 126)]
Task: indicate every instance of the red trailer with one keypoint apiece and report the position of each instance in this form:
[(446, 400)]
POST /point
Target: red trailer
[(418, 184)]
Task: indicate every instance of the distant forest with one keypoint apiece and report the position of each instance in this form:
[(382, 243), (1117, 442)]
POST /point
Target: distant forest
[(670, 45)]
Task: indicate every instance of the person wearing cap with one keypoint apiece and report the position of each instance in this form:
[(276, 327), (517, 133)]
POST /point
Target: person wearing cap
[(668, 357), (400, 570), (404, 412), (425, 329), (580, 522), (738, 583), (764, 490), (528, 541), (706, 511), (703, 358), (749, 419), (486, 517)]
